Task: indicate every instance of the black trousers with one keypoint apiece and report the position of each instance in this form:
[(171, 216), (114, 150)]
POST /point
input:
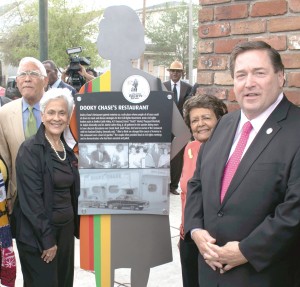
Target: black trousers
[(189, 263), (59, 272), (176, 169)]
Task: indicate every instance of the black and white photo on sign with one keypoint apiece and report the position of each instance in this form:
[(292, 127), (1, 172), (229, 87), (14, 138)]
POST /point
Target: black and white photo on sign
[(121, 191), (103, 155), (149, 155)]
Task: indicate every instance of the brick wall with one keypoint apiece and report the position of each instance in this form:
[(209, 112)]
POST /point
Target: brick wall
[(224, 23)]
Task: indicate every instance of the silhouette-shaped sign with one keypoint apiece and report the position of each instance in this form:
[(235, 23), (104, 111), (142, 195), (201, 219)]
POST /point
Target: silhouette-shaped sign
[(136, 241)]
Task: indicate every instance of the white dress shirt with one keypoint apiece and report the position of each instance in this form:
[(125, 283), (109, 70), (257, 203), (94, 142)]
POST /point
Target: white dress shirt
[(177, 88), (257, 123)]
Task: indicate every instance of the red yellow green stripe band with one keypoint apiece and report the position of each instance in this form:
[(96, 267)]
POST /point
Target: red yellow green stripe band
[(95, 230)]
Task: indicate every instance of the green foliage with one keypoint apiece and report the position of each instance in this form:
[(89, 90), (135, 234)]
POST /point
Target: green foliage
[(68, 27), (169, 34)]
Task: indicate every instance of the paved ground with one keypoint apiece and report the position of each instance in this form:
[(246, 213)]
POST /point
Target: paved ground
[(167, 275)]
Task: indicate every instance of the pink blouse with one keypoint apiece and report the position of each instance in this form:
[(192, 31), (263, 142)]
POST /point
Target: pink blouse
[(189, 165)]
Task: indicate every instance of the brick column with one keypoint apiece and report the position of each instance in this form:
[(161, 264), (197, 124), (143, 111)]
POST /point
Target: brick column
[(224, 23)]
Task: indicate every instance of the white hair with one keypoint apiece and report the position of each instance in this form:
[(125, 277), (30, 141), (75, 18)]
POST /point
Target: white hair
[(35, 61), (57, 93)]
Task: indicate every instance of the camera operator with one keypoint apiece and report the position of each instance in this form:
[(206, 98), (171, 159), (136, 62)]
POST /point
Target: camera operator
[(77, 75), (83, 72), (54, 81)]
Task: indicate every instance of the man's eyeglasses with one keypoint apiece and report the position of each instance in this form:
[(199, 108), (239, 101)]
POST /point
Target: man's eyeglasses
[(31, 74)]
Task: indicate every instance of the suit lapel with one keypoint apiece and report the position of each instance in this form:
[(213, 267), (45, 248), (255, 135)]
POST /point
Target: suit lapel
[(61, 84), (183, 89), (267, 132), (16, 122)]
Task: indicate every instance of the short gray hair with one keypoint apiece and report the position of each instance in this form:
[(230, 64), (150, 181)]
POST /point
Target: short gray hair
[(57, 93), (34, 61)]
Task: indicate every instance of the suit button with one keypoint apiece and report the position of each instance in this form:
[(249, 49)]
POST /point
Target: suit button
[(220, 213)]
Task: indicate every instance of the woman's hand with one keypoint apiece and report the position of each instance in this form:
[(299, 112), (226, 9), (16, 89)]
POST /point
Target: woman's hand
[(49, 254)]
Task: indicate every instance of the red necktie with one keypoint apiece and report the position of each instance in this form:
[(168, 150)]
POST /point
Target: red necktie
[(235, 159)]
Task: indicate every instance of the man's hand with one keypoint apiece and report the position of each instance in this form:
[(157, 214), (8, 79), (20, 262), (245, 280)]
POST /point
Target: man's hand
[(229, 255), (204, 241)]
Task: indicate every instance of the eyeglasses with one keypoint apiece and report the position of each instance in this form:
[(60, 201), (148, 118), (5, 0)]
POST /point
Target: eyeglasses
[(31, 74), (175, 71)]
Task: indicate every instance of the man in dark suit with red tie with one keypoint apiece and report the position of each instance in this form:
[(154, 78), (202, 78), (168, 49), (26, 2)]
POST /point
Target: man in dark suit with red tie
[(243, 205), (181, 91)]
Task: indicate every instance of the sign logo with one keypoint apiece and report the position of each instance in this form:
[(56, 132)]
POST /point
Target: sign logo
[(136, 89)]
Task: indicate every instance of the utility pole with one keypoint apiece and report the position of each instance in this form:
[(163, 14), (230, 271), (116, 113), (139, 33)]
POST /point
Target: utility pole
[(191, 42), (43, 29), (143, 22)]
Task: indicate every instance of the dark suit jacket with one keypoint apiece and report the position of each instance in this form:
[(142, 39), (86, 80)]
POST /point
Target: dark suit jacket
[(62, 85), (261, 208), (185, 90)]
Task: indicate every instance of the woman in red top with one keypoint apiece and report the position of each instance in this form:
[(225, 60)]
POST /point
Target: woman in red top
[(201, 113)]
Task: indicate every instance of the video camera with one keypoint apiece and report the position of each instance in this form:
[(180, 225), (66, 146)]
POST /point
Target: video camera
[(75, 79)]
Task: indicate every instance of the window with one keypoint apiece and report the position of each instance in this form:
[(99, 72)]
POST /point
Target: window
[(113, 189)]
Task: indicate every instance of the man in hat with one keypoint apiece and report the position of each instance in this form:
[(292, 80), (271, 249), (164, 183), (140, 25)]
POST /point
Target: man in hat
[(181, 91)]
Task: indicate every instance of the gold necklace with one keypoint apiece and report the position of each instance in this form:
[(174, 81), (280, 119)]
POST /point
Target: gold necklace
[(52, 146)]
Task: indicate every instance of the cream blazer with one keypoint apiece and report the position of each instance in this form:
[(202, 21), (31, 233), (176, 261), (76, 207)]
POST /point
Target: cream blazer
[(11, 137)]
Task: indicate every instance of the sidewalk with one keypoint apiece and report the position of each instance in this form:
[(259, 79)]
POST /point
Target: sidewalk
[(167, 275)]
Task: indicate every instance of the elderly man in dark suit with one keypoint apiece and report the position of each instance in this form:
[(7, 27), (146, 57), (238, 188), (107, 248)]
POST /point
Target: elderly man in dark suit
[(243, 206), (181, 91), (54, 81)]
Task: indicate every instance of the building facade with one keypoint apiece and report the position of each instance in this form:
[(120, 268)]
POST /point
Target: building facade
[(224, 23)]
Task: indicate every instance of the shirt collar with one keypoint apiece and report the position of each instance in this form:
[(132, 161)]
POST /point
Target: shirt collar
[(25, 105), (56, 83), (177, 84), (258, 122)]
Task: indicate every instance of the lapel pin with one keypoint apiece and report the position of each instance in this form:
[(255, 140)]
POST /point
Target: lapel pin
[(269, 130)]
